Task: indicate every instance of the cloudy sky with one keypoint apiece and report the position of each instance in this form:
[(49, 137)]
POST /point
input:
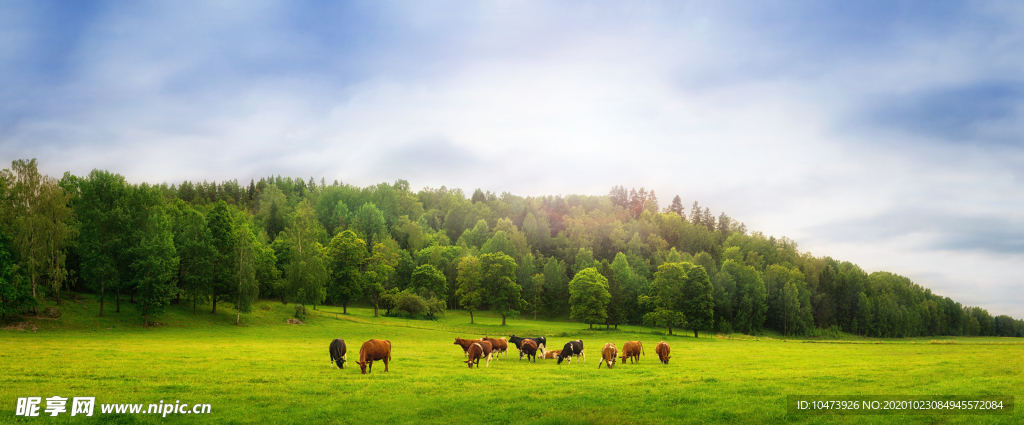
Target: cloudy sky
[(889, 134)]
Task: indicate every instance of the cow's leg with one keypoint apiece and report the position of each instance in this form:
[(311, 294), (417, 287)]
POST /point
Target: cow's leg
[(385, 364), (369, 366)]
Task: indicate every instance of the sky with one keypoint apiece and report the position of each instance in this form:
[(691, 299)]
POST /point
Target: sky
[(889, 134)]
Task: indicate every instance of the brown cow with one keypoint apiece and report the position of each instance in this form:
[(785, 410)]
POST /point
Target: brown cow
[(529, 348), (663, 350), (465, 343), (608, 355), (374, 349), (552, 354), (499, 345), (476, 352), (632, 351)]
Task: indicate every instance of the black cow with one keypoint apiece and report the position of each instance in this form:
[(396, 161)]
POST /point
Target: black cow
[(518, 341), (572, 348), (338, 350)]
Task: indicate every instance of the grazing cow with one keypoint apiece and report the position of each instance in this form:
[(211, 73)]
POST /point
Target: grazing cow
[(608, 355), (542, 342), (338, 352), (663, 350), (529, 348), (374, 349), (499, 345), (475, 353), (552, 354), (632, 351), (572, 348)]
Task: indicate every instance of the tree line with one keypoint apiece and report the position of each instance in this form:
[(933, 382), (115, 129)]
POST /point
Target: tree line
[(605, 260)]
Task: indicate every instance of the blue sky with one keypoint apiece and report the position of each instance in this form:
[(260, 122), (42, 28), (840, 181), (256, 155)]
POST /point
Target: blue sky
[(889, 134)]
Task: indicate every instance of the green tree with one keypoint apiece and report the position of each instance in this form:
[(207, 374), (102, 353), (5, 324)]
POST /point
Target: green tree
[(499, 274), (379, 268), (195, 250), (668, 296), (246, 259), (222, 235), (369, 224), (431, 279), (698, 299), (41, 216), (307, 272), (13, 297), (347, 254), (471, 291), (589, 297), (584, 260), (103, 228), (155, 264)]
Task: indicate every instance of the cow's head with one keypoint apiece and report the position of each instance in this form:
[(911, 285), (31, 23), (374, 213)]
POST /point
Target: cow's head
[(666, 359), (458, 341), (341, 363), (362, 366)]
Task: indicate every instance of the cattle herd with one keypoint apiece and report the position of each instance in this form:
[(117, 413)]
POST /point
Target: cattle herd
[(485, 348)]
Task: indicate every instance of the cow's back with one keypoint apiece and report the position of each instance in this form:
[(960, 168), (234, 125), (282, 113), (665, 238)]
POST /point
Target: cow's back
[(375, 349)]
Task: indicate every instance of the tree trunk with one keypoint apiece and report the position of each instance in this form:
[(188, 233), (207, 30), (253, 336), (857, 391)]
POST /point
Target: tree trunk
[(214, 305), (502, 320), (375, 299), (607, 327), (616, 327), (471, 317), (591, 326), (344, 308), (238, 317), (194, 305), (695, 333), (670, 330)]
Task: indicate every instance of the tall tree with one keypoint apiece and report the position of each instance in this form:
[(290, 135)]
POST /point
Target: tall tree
[(246, 258), (379, 268), (471, 291), (499, 276), (13, 296), (195, 250), (589, 297), (307, 273), (155, 261), (222, 236), (668, 296), (101, 211), (677, 207), (41, 227), (347, 254)]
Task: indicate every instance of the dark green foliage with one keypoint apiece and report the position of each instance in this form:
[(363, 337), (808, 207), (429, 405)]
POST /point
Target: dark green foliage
[(430, 279), (589, 297), (155, 263), (498, 272)]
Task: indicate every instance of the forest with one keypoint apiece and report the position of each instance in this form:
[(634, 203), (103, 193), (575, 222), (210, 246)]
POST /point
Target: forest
[(612, 259)]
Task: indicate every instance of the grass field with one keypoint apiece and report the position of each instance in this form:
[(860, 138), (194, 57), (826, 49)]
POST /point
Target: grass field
[(267, 371)]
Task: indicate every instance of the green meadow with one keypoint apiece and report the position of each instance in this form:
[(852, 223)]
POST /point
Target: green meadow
[(267, 371)]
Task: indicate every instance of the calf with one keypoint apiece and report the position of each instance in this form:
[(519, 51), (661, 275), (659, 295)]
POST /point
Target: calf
[(632, 351), (551, 354), (338, 352), (541, 341), (374, 349), (529, 348), (475, 353), (608, 355), (572, 348), (663, 351)]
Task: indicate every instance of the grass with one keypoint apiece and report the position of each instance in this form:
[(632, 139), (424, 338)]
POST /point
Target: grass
[(267, 371)]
